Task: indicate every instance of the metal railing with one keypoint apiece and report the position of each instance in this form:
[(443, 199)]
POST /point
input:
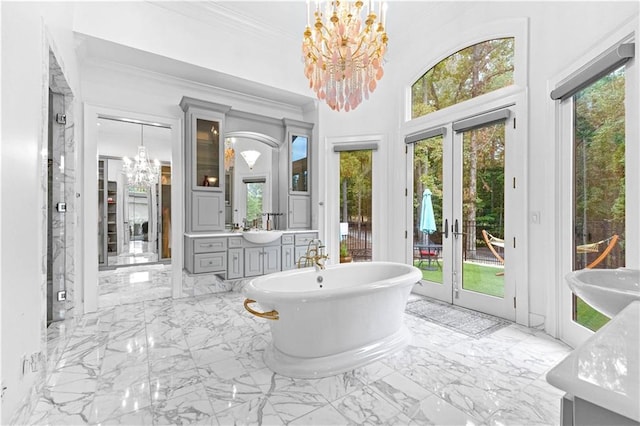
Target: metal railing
[(475, 249), (358, 241)]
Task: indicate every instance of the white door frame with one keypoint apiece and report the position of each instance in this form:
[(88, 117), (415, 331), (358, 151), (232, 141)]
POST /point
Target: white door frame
[(559, 313), (515, 99), (90, 199), (505, 307), (332, 182)]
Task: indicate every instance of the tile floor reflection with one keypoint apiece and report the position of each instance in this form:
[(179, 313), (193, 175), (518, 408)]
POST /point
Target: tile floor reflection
[(198, 360), (133, 284)]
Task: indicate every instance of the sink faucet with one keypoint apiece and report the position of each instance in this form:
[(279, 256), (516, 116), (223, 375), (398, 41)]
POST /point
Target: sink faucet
[(314, 256)]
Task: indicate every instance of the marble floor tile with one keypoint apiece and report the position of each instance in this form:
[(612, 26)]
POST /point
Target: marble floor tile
[(199, 360), (435, 411), (326, 415), (366, 406), (258, 411), (192, 408), (114, 403), (401, 391), (175, 384)]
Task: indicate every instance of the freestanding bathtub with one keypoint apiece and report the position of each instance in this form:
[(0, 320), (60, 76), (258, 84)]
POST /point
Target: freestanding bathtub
[(333, 320)]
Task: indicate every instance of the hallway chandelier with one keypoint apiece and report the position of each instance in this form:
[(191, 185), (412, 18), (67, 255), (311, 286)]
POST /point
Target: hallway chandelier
[(140, 172), (344, 51)]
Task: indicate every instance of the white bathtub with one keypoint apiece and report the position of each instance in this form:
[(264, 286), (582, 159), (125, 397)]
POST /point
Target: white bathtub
[(333, 320)]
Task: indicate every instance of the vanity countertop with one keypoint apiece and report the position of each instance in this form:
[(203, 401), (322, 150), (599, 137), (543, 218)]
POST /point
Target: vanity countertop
[(233, 234), (605, 370)]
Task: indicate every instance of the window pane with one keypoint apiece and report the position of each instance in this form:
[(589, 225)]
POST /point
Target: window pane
[(427, 195), (355, 203), (299, 169), (254, 201), (599, 182), (207, 153), (483, 210), (470, 72)]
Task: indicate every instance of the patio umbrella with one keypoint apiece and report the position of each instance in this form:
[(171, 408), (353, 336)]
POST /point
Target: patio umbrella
[(427, 218)]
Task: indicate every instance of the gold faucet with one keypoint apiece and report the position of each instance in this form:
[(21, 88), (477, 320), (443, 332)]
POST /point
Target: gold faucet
[(314, 256)]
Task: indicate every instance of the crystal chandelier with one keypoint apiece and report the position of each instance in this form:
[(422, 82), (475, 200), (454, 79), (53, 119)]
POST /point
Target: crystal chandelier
[(344, 51), (140, 173)]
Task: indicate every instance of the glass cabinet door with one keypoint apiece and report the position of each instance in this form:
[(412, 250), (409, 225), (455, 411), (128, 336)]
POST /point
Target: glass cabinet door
[(299, 163), (207, 153)]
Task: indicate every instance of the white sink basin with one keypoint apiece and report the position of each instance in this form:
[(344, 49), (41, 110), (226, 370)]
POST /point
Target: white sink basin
[(261, 237), (606, 290)]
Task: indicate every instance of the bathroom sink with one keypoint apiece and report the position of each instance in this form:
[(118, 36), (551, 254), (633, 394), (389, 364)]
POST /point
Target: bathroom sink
[(261, 237), (606, 290)]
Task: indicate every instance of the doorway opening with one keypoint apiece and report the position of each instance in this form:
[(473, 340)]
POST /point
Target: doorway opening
[(459, 206), (356, 191), (134, 220)]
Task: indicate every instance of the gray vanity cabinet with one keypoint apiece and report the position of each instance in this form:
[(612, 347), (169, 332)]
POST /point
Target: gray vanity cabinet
[(235, 268), (207, 211), (299, 211), (232, 257), (288, 252), (262, 260), (206, 255)]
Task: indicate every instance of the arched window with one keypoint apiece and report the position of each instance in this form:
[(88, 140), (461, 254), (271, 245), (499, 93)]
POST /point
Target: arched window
[(470, 72)]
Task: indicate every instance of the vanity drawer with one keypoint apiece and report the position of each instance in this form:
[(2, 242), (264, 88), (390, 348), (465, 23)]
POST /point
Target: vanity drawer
[(305, 239), (287, 240), (210, 262), (209, 245), (235, 242)]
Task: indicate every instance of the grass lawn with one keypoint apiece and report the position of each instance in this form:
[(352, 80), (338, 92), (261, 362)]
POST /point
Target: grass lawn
[(476, 277), (589, 317)]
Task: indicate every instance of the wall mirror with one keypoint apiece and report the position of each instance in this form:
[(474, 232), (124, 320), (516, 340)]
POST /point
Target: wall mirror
[(134, 221), (251, 178)]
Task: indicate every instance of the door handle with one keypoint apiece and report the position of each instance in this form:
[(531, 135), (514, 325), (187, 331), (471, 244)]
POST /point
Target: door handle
[(455, 229), (446, 228)]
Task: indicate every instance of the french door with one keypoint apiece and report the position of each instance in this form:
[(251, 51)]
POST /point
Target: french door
[(463, 187)]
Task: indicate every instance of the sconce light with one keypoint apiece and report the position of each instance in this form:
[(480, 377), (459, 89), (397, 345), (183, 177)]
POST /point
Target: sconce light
[(250, 157)]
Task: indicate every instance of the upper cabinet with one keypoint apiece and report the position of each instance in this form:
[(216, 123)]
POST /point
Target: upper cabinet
[(223, 187), (204, 164), (298, 203), (207, 154)]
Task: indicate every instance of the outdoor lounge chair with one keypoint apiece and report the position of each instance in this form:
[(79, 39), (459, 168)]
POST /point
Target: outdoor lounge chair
[(595, 247), (493, 242), (430, 255)]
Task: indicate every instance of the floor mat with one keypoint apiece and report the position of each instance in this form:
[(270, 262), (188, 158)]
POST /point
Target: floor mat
[(471, 323)]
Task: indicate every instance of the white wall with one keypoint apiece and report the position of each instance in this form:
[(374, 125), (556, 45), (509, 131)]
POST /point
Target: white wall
[(28, 29), (254, 53)]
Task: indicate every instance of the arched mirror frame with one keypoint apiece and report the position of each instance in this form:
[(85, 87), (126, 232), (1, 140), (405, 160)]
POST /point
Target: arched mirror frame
[(276, 147)]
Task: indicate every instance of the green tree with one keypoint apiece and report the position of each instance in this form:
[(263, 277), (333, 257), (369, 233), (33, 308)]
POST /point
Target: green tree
[(600, 159), (355, 184), (468, 73)]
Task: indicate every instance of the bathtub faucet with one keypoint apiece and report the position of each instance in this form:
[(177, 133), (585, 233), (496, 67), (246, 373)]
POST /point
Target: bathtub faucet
[(314, 256)]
